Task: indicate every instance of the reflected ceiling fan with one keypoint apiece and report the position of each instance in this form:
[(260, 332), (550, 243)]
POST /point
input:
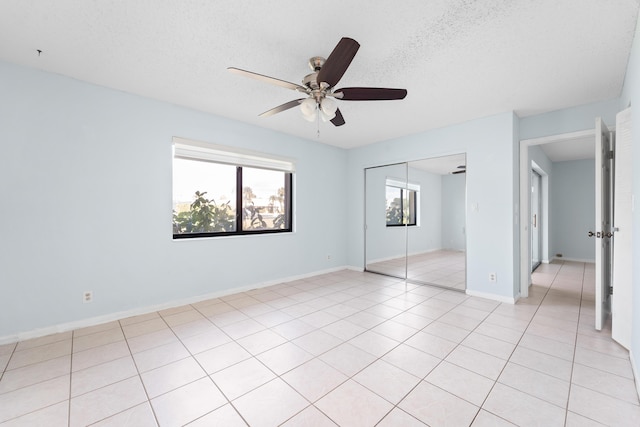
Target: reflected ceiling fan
[(319, 86), (460, 169)]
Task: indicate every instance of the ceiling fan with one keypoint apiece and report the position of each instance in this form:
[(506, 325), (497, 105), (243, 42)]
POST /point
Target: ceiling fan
[(461, 169), (319, 86)]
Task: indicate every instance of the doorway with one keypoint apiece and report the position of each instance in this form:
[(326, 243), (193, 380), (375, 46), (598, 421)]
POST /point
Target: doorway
[(565, 147), (613, 202)]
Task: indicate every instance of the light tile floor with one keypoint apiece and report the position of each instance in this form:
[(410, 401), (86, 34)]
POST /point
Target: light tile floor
[(347, 348)]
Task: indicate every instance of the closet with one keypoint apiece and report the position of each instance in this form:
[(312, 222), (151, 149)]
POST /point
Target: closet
[(415, 221)]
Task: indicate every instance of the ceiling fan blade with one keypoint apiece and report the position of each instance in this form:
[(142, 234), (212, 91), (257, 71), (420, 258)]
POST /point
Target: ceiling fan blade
[(338, 120), (369, 94), (457, 172), (338, 61), (267, 79), (281, 108)]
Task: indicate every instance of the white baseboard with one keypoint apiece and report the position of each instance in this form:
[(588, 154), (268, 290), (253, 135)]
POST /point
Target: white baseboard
[(373, 261), (486, 295), (354, 268), (574, 259), (389, 258), (97, 320)]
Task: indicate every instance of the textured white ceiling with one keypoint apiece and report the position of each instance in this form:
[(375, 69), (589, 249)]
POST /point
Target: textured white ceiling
[(458, 59), (440, 165)]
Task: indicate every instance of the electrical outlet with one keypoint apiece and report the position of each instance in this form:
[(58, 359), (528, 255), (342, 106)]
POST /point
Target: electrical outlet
[(493, 278), (328, 257), (87, 297)]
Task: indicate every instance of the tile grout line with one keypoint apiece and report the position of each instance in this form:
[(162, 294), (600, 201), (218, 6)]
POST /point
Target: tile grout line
[(575, 345), (6, 368), (70, 379)]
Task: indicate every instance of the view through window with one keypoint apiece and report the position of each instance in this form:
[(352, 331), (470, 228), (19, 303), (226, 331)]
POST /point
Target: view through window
[(217, 199), (401, 206)]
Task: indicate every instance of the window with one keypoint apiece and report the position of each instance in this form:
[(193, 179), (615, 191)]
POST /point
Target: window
[(221, 191), (401, 203)]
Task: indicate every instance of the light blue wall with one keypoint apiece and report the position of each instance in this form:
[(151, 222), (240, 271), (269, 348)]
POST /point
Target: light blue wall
[(85, 179), (490, 147), (568, 120), (427, 236), (573, 209), (453, 212), (631, 96)]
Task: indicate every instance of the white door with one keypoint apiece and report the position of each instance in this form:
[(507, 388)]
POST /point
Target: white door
[(621, 307), (603, 231), (535, 219)]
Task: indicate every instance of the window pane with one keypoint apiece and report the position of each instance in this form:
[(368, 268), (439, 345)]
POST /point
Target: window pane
[(264, 200), (394, 206), (204, 195)]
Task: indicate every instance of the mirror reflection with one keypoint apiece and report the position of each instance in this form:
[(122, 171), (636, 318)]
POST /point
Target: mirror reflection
[(416, 222), (386, 235)]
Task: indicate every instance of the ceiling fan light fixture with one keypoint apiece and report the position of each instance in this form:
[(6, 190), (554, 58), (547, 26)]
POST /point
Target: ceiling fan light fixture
[(328, 107), (326, 117), (310, 118), (309, 109)]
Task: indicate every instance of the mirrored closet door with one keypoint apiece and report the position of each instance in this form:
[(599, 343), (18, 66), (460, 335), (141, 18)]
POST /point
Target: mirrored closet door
[(415, 216), (385, 207)]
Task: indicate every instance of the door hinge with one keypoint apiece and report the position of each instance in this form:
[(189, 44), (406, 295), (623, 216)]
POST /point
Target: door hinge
[(610, 290), (610, 155)]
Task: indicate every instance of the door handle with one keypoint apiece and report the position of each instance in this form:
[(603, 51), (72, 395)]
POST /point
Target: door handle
[(591, 234)]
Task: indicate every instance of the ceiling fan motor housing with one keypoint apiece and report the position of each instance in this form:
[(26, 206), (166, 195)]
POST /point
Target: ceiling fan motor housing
[(310, 81)]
